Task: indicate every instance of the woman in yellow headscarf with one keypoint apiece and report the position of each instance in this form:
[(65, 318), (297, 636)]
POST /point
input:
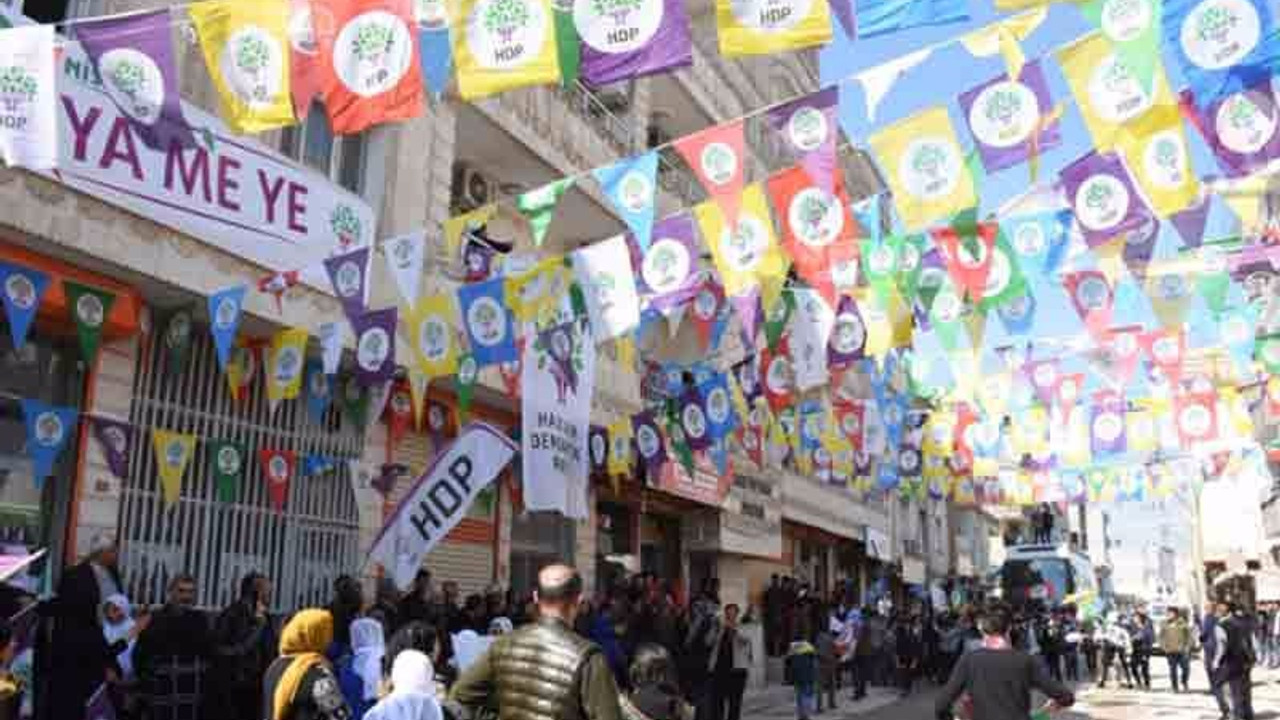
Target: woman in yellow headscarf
[(300, 685)]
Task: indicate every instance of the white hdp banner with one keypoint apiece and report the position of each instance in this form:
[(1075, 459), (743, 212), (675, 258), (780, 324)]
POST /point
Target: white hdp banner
[(603, 270), (556, 383), (405, 255), (439, 500), (810, 331), (28, 123)]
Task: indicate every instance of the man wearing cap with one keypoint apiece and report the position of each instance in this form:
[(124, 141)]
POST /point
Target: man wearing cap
[(80, 657), (543, 670)]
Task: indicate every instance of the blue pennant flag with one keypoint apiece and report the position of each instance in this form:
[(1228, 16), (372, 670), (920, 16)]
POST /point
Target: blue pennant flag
[(1239, 328), (722, 419), (23, 288), (435, 55), (224, 319), (319, 391), (1218, 43), (1039, 239), (631, 186), (313, 465), (887, 473), (489, 325), (877, 17), (867, 212), (1018, 315), (48, 429)]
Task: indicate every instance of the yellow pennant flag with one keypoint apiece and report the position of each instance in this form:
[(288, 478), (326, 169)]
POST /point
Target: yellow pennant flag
[(619, 463), (1169, 288), (431, 326), (536, 295), (1107, 91), (1142, 434), (284, 364), (1156, 151), (1238, 421), (1004, 38), (925, 167), (501, 45), (764, 27), (456, 226), (173, 452), (246, 49), (750, 255)]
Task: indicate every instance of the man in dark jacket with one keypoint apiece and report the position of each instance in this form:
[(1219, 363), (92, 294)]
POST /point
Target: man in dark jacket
[(999, 679), (244, 644), (171, 656), (79, 656)]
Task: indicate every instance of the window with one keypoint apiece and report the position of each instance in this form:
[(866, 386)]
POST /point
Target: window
[(313, 144)]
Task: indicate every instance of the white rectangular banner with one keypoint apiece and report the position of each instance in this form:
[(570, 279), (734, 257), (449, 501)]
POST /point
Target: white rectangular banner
[(608, 282), (439, 500), (810, 330), (555, 386)]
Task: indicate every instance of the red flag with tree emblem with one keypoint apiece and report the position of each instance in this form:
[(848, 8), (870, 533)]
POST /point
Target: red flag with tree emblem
[(370, 63), (277, 468)]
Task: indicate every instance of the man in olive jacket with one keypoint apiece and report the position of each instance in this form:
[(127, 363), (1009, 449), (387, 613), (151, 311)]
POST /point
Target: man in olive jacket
[(1175, 641), (543, 670)]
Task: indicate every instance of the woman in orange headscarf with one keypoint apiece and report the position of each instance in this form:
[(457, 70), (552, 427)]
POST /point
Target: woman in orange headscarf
[(300, 685)]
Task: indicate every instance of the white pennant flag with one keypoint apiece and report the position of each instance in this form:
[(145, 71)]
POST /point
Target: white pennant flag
[(609, 287), (330, 334), (810, 330), (877, 81), (405, 255), (28, 121)]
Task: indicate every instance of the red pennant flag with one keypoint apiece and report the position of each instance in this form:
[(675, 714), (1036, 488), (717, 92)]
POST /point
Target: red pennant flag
[(814, 223), (717, 157), (277, 468), (1167, 349), (1124, 349), (399, 411), (778, 375), (370, 64), (706, 308), (1197, 418), (962, 460), (967, 250), (852, 419), (308, 22), (1093, 298)]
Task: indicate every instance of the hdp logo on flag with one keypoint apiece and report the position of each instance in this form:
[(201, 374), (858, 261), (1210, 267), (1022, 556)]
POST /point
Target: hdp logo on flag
[(224, 319), (48, 428), (22, 290)]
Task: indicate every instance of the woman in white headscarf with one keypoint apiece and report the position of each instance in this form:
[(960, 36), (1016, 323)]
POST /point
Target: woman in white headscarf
[(120, 631), (413, 691), (360, 673)]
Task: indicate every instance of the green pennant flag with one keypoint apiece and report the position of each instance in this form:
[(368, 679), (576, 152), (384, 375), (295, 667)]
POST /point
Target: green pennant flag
[(568, 46), (775, 321), (577, 301), (227, 460), (1214, 288), (1133, 29), (177, 340), (945, 313), (880, 256), (1005, 280), (355, 402), (539, 206), (910, 264), (89, 307), (468, 371), (675, 431)]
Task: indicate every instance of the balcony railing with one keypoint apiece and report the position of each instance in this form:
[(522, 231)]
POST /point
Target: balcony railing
[(619, 131)]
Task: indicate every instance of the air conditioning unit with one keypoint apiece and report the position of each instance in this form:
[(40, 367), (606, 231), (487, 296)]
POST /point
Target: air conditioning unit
[(471, 188)]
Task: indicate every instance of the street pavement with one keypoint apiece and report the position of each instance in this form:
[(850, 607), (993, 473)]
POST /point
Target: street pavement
[(778, 703)]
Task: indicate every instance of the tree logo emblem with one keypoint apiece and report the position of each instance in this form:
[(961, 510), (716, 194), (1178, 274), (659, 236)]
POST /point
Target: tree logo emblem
[(1004, 114), (719, 163), (175, 454), (807, 128), (20, 291), (617, 26), (1218, 34), (288, 365), (504, 34), (346, 226), (1101, 202), (930, 168), (229, 460), (1123, 21), (487, 321), (252, 65), (635, 192), (372, 53), (18, 88), (434, 338), (1166, 159), (666, 265), (815, 217), (90, 311), (744, 247), (374, 349), (134, 82), (278, 469), (48, 429), (349, 278), (1245, 127), (1115, 92), (224, 316)]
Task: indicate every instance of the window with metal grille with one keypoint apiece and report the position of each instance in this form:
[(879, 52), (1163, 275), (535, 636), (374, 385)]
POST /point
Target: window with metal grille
[(301, 549)]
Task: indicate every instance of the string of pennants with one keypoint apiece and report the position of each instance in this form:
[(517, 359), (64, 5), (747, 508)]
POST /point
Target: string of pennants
[(794, 257)]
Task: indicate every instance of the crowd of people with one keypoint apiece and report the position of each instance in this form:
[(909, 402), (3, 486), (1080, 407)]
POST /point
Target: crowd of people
[(636, 650)]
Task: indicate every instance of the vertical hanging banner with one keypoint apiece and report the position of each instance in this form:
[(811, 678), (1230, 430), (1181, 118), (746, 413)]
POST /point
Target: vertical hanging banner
[(224, 320), (813, 221), (627, 39), (114, 437), (922, 161), (21, 290), (746, 255), (435, 52), (809, 127), (668, 267), (405, 255), (1241, 126), (371, 64), (431, 332), (319, 391), (1214, 39), (1008, 118), (1155, 149), (28, 98), (717, 158), (246, 51), (134, 57), (285, 365), (375, 346), (226, 460), (631, 186), (488, 323), (603, 271), (349, 275), (764, 27), (500, 45), (89, 308), (810, 336), (173, 452), (277, 469), (1102, 196), (1107, 89), (1093, 298), (557, 383), (48, 430)]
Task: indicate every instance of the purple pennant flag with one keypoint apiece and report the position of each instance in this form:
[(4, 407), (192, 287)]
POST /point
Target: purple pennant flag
[(375, 346), (349, 273), (668, 269), (621, 41), (1107, 425), (1004, 117), (1140, 245), (1190, 223), (843, 10), (648, 439), (748, 306), (114, 436), (134, 58), (848, 336), (1243, 127), (693, 419), (808, 126), (1101, 194)]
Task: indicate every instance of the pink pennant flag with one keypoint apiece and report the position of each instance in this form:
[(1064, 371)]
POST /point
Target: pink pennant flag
[(717, 158)]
